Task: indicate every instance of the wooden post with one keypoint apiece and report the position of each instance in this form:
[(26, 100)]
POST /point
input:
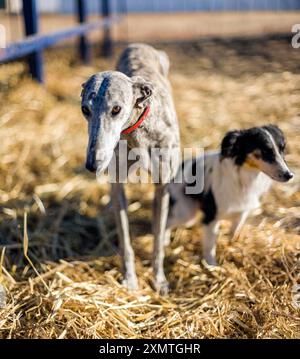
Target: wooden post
[(107, 47), (84, 46), (31, 22)]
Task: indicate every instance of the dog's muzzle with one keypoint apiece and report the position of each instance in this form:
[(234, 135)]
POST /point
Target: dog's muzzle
[(90, 164), (288, 175)]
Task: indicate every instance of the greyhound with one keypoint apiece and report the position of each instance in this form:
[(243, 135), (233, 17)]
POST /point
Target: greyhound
[(134, 104)]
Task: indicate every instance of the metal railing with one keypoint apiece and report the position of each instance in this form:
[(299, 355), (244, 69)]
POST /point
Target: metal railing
[(33, 45)]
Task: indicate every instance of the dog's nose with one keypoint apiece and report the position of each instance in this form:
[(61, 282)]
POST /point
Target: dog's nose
[(288, 175), (90, 166)]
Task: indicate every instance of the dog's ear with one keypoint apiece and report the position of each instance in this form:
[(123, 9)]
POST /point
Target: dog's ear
[(273, 129), (82, 89), (229, 146), (142, 91), (164, 62), (277, 135)]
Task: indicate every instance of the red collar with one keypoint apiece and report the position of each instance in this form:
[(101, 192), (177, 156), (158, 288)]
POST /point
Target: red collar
[(138, 122)]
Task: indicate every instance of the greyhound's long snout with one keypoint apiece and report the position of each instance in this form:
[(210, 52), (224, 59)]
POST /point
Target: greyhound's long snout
[(90, 164), (92, 146), (98, 160), (91, 156)]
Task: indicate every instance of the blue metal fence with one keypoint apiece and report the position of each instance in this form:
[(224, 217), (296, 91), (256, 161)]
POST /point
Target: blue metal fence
[(34, 43), (135, 6), (31, 22)]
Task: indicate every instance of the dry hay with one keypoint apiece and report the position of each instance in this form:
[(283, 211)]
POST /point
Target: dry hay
[(76, 292)]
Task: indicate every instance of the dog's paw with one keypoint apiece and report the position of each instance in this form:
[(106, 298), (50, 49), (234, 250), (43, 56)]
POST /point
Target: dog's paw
[(210, 262), (161, 285), (131, 282)]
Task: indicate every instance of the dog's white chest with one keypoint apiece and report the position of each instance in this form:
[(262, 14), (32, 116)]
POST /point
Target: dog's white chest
[(236, 189)]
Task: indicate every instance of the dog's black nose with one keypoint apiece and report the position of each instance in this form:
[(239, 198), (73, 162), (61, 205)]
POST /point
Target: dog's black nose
[(288, 175), (90, 166)]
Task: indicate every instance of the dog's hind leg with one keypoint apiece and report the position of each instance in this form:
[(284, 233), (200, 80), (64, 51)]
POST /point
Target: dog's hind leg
[(160, 213), (127, 254), (210, 242)]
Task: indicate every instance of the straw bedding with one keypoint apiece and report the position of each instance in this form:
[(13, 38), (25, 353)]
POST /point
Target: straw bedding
[(59, 261)]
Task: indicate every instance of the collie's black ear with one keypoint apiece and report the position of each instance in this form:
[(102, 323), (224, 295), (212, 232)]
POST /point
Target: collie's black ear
[(229, 146), (277, 135), (273, 129)]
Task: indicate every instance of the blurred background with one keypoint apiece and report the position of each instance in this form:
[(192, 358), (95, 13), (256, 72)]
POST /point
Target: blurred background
[(155, 20), (232, 66)]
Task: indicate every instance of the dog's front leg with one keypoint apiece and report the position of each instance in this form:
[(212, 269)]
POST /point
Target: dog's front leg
[(210, 242), (160, 213), (120, 209), (237, 225)]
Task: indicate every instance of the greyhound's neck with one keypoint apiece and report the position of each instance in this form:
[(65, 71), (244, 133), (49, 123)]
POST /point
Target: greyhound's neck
[(138, 122), (136, 118)]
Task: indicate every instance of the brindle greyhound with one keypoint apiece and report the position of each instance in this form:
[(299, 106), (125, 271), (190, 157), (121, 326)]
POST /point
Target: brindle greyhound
[(134, 104)]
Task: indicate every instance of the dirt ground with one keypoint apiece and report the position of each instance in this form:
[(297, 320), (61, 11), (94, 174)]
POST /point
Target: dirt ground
[(61, 282)]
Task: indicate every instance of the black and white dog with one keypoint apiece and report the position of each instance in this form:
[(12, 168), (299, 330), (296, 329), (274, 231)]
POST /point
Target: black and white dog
[(234, 180)]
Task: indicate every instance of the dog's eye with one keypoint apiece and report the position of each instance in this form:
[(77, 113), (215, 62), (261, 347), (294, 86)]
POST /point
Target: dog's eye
[(257, 155), (115, 110), (264, 153), (85, 110)]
